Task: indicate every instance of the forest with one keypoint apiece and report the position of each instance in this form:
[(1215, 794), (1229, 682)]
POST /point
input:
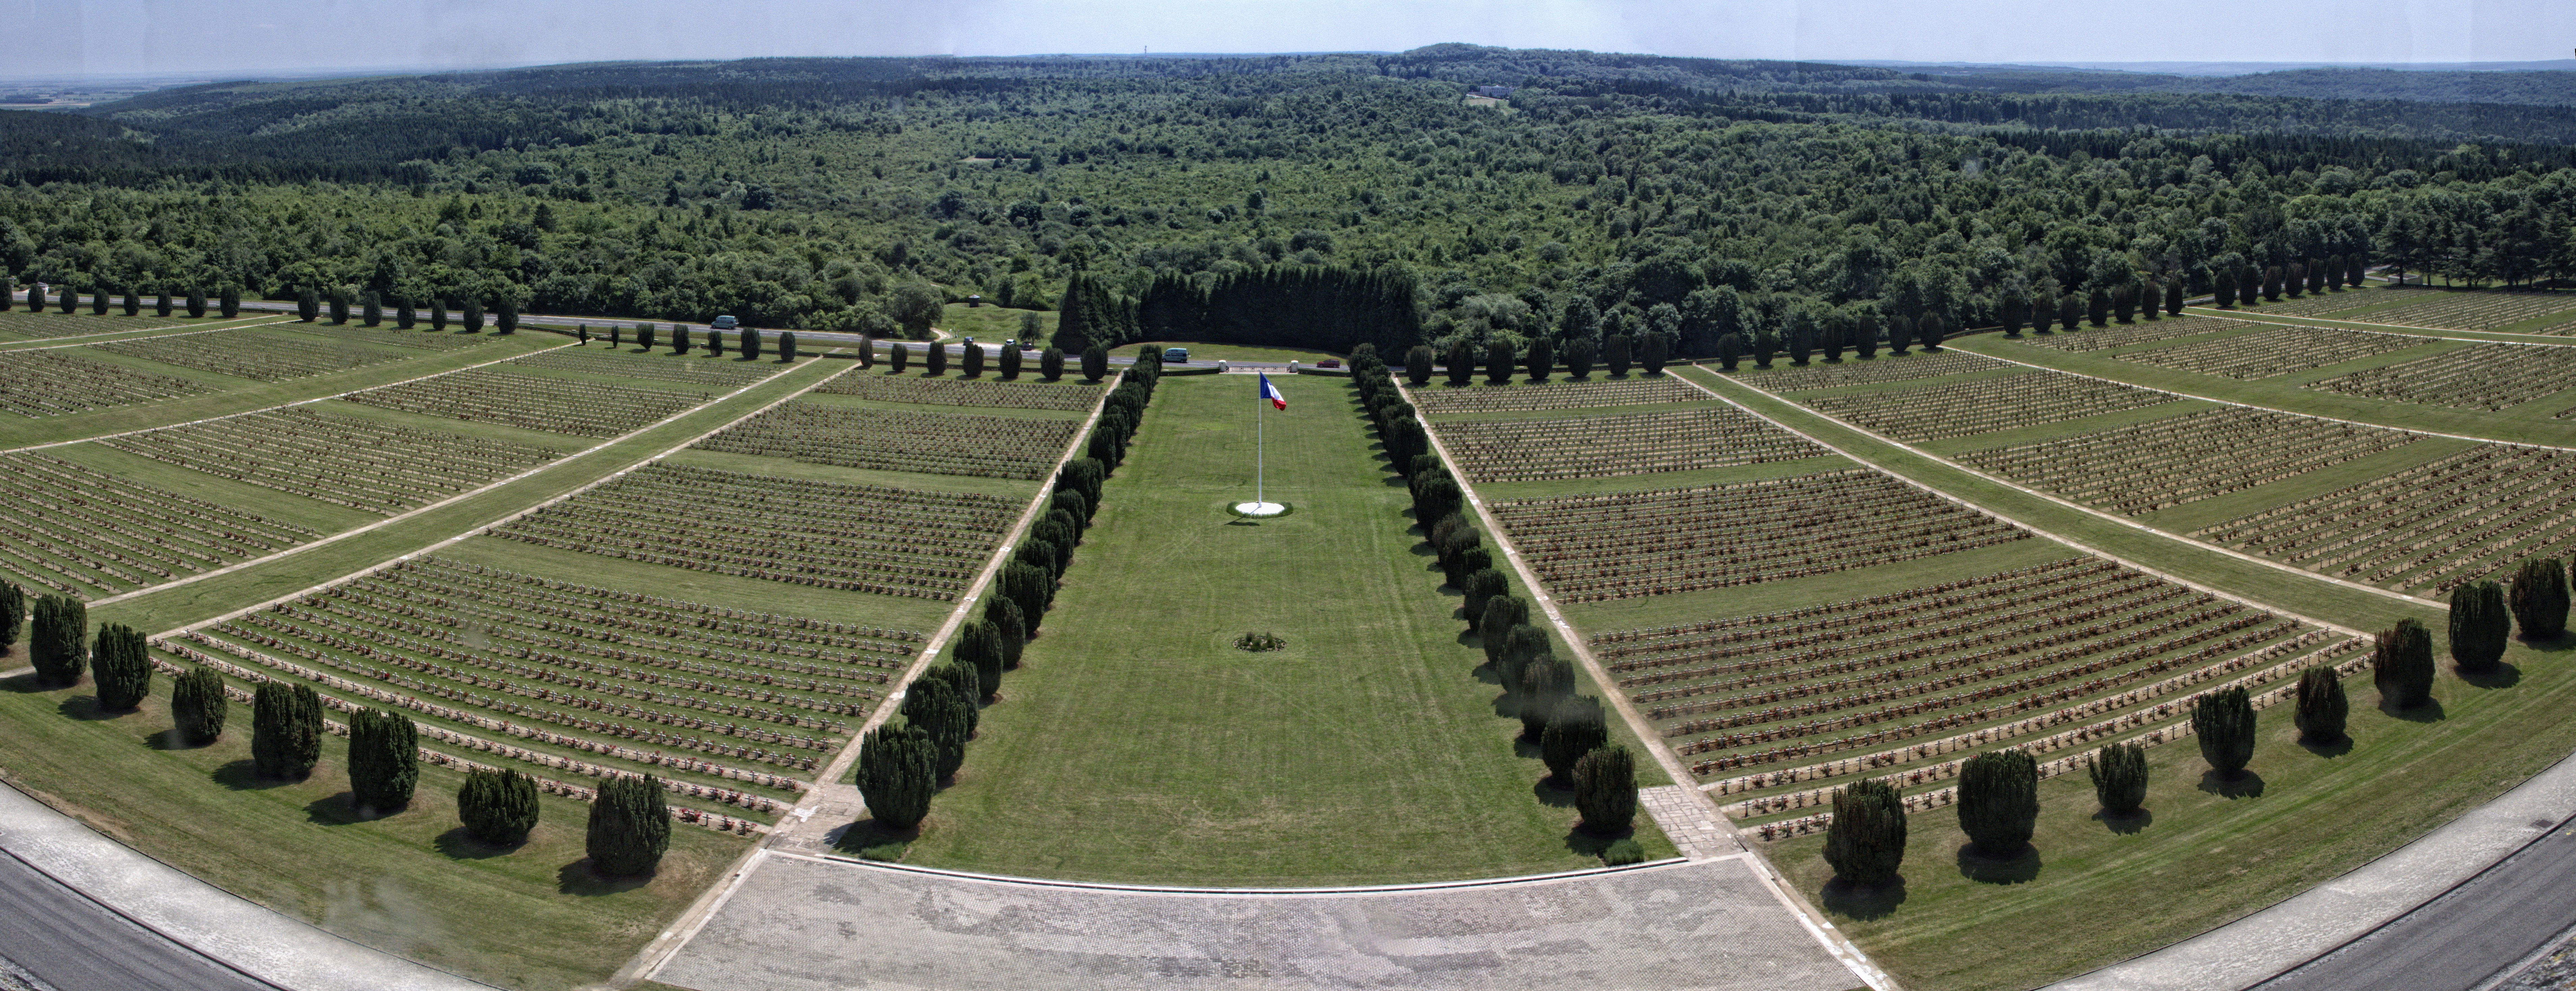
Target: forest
[(1680, 198)]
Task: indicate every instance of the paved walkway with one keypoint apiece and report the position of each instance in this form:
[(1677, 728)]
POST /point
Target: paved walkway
[(2256, 948), (1687, 820), (800, 923), (271, 947)]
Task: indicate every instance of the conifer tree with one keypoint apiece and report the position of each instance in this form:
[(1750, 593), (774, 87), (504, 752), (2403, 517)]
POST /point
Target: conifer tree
[(786, 347), (2401, 663), (1614, 355), (715, 341), (2480, 625), (1930, 331), (1013, 631), (1579, 355), (680, 339), (1865, 843), (438, 317), (1418, 362), (1095, 363), (1030, 587), (1482, 588), (1522, 645), (2010, 311), (2119, 773), (497, 807), (68, 301), (198, 706), (196, 303), (1009, 366), (161, 302), (134, 305), (630, 827), (308, 304), (1576, 725), (979, 647), (2173, 297), (2540, 598), (897, 356), (1653, 352), (2149, 296), (2070, 311), (946, 716), (1495, 622), (963, 683), (1864, 334), (505, 315), (747, 342), (471, 314), (404, 316), (1541, 359), (1605, 789), (384, 760), (971, 363), (285, 729), (2043, 312), (2322, 707), (1498, 361), (2097, 307), (371, 311), (1900, 336), (1460, 363), (1730, 351), (1546, 679), (934, 360), (13, 614), (1999, 801), (898, 771), (1050, 364), (58, 640), (121, 667), (2224, 723)]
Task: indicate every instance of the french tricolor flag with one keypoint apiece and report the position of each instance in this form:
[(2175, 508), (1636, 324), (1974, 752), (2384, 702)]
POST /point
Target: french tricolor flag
[(1271, 392)]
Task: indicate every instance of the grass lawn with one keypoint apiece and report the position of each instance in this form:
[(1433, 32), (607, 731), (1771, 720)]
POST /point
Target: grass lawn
[(990, 324), (2205, 853), (1136, 744), (413, 884), (1204, 351)]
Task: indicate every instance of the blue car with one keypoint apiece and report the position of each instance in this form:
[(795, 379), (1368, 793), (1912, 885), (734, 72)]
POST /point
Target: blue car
[(723, 323), (1176, 355)]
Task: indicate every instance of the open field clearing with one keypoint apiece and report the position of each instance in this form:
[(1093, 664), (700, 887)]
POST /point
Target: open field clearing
[(358, 462), (52, 383), (1135, 743), (1625, 444), (863, 538), (920, 390), (82, 532), (2107, 338), (936, 443), (1957, 409), (256, 353), (1440, 400), (1678, 540), (2488, 377), (536, 402), (1886, 368), (2279, 351), (2144, 467)]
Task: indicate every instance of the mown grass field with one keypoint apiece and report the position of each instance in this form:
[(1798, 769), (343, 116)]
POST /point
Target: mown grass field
[(1136, 744)]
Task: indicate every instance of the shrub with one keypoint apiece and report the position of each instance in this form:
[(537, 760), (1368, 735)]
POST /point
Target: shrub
[(1437, 498), (196, 303), (971, 364), (1009, 364), (1482, 588), (898, 768), (58, 640), (934, 359), (963, 682), (2539, 598), (947, 717), (471, 315), (2119, 774), (1542, 359), (308, 304), (1073, 504), (1578, 358), (1622, 852), (1050, 364), (2401, 663), (1605, 789), (134, 306), (2224, 722), (747, 341), (1522, 645), (1615, 356), (1576, 726), (1095, 363), (643, 334), (1498, 361), (1029, 587), (13, 614), (198, 706), (1474, 558), (630, 827), (161, 304), (715, 341), (1865, 843), (1460, 362), (1546, 680), (1008, 627), (122, 668), (1999, 801), (1730, 351), (371, 311), (2322, 707), (787, 346), (384, 760), (1495, 623), (1417, 364), (979, 647), (498, 808), (2480, 625), (1653, 352), (1083, 475), (898, 356), (285, 729)]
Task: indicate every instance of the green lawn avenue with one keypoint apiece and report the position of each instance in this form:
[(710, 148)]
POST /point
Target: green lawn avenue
[(1136, 744)]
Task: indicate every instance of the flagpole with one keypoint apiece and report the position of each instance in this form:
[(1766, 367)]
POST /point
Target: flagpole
[(1257, 440)]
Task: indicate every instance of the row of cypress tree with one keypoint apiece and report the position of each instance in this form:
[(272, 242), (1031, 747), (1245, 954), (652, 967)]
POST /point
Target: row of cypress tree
[(228, 301), (1538, 362), (901, 764), (630, 824), (1865, 842), (1804, 337), (1570, 729)]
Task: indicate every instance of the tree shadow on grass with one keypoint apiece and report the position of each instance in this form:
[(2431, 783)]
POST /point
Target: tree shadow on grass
[(2019, 867), (23, 684), (170, 739), (2503, 675), (2338, 747), (1584, 842), (338, 810), (2126, 823), (868, 839), (577, 878), (458, 844), (1863, 901), (85, 707), (2429, 712), (2242, 784), (1552, 793), (242, 775)]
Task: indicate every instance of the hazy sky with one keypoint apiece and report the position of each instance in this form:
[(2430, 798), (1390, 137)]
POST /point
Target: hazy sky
[(247, 37)]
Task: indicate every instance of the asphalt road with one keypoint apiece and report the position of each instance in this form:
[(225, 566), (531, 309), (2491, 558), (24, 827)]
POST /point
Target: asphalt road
[(2462, 939), (70, 942)]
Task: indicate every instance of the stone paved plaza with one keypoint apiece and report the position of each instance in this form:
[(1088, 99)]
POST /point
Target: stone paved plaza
[(800, 923)]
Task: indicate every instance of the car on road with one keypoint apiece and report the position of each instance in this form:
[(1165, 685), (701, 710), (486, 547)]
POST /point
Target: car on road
[(724, 323), (1176, 354)]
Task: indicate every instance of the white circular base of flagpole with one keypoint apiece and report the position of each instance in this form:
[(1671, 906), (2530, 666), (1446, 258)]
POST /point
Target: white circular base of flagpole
[(1260, 508)]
